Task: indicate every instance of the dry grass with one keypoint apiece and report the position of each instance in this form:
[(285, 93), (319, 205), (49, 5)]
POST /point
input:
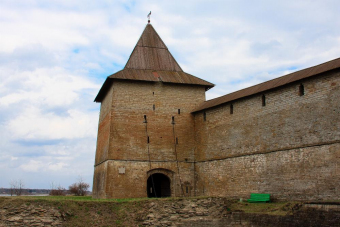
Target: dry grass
[(278, 208)]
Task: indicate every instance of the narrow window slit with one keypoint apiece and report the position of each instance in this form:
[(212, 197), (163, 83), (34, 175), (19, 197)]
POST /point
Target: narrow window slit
[(145, 121), (148, 140), (172, 120), (153, 107), (301, 90), (176, 140), (263, 100), (231, 108), (204, 116), (179, 111)]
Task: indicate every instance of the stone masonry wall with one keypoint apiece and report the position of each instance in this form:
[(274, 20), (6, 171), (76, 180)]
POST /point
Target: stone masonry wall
[(99, 178), (133, 183), (104, 128), (289, 147), (298, 174), (167, 136), (30, 215), (133, 100), (99, 181)]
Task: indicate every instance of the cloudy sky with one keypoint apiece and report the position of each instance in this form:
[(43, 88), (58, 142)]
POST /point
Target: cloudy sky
[(55, 55)]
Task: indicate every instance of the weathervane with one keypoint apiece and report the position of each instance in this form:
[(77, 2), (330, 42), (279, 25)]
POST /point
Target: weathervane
[(149, 17)]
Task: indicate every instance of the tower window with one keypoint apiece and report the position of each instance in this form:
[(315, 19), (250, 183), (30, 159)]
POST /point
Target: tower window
[(231, 108), (148, 140), (204, 116), (301, 90), (172, 120), (179, 111), (153, 107), (176, 140), (263, 100), (145, 121), (153, 93)]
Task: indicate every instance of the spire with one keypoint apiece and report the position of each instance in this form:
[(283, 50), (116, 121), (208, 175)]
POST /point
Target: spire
[(149, 17), (151, 53)]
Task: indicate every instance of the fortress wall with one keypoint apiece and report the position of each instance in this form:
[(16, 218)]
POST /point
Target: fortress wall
[(99, 178), (133, 182), (289, 148), (310, 173), (100, 181), (104, 128)]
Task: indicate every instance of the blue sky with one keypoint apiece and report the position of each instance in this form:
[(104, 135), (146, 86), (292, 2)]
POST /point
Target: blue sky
[(55, 55)]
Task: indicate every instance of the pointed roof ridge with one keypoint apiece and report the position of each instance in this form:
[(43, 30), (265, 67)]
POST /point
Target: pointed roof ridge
[(151, 61), (151, 53), (143, 41)]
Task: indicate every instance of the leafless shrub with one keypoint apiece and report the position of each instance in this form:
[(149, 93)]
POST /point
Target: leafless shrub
[(57, 190), (79, 188)]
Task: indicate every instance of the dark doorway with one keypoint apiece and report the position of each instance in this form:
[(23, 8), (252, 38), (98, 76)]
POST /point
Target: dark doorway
[(158, 186)]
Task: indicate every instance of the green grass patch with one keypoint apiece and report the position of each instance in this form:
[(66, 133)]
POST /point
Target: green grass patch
[(78, 198)]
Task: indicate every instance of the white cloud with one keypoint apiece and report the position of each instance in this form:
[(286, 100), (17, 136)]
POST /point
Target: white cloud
[(33, 124), (32, 166), (45, 86), (57, 166)]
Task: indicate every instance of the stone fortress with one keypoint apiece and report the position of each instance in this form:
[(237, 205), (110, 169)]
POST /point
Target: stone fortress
[(159, 137)]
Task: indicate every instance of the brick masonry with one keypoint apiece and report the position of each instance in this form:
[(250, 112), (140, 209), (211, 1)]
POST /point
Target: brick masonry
[(289, 147), (123, 138)]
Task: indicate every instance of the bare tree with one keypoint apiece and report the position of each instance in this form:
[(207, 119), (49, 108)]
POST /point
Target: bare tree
[(79, 188), (17, 187), (12, 186), (57, 190)]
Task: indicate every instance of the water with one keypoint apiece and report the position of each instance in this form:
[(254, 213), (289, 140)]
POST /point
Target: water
[(24, 195)]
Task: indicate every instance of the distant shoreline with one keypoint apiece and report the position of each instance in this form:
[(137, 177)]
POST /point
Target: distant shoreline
[(9, 195)]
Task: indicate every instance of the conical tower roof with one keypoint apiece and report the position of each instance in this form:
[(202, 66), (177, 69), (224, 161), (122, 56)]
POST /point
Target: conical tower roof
[(151, 53), (151, 61)]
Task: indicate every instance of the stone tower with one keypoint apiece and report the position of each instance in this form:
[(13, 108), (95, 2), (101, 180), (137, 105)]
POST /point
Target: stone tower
[(146, 141)]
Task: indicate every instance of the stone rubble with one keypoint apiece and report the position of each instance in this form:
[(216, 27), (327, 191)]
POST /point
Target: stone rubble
[(30, 215), (181, 212)]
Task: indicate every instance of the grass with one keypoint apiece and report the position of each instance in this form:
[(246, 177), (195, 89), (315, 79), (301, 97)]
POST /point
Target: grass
[(76, 198)]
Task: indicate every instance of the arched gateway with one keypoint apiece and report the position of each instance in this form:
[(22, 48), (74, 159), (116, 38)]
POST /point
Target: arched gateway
[(158, 185)]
